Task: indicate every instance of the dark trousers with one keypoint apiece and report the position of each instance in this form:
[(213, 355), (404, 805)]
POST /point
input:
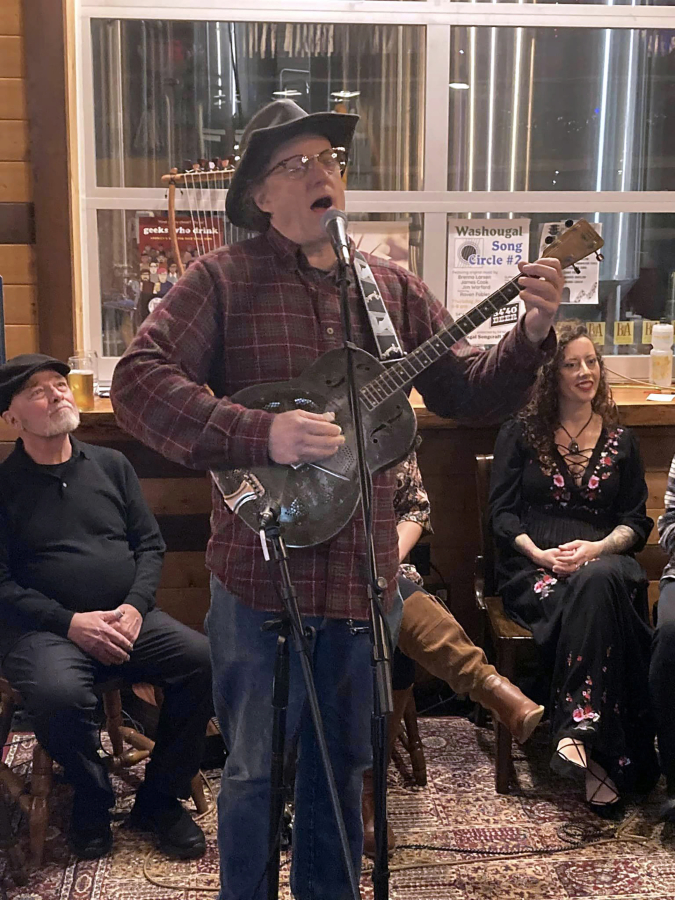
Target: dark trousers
[(56, 678), (662, 681)]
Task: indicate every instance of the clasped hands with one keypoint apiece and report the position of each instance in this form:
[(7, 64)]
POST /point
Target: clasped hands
[(107, 635), (567, 558)]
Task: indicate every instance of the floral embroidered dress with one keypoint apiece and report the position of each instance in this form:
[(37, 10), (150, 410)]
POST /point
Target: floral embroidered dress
[(590, 627)]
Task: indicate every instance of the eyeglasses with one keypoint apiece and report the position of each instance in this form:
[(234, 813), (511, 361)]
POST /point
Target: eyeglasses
[(296, 167)]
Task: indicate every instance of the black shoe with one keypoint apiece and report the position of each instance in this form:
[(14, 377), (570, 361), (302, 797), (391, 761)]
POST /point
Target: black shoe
[(179, 835), (90, 839), (667, 810)]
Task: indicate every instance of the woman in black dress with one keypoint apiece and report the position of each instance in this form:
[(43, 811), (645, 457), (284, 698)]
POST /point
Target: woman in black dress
[(568, 511)]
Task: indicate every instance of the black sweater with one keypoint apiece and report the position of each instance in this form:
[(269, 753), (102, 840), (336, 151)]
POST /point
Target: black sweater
[(76, 537)]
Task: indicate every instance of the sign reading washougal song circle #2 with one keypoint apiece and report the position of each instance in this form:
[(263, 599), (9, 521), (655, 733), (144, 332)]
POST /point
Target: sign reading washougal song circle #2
[(483, 254)]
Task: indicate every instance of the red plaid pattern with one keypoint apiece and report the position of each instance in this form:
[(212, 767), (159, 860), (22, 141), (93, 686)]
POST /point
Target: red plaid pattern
[(255, 312)]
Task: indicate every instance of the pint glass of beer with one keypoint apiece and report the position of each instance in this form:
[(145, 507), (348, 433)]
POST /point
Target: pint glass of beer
[(81, 380)]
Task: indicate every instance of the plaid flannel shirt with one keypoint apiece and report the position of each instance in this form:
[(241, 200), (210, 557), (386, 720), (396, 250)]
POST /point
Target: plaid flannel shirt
[(666, 524), (256, 312)]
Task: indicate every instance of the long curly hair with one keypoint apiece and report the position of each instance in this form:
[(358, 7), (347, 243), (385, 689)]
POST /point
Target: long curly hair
[(541, 416)]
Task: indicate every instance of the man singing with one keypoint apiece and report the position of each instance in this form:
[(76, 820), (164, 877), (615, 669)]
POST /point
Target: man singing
[(261, 311)]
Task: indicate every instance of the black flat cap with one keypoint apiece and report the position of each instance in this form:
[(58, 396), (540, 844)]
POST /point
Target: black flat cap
[(16, 372), (271, 126)]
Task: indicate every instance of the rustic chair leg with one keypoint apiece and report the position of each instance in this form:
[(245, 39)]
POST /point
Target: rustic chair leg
[(112, 705), (504, 746), (40, 788), (197, 790), (503, 762), (415, 748), (9, 843)]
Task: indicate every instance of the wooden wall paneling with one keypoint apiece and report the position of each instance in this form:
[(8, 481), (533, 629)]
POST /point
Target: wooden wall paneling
[(21, 339), (44, 24), (10, 17), (20, 304), (177, 496), (14, 139), (15, 182), (184, 569), (17, 223), (17, 263), (188, 605), (12, 98), (11, 56)]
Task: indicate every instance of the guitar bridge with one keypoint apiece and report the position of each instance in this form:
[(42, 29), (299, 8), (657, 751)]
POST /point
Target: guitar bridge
[(249, 489)]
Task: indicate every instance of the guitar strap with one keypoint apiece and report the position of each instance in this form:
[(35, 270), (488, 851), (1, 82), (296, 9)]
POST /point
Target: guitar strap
[(386, 340)]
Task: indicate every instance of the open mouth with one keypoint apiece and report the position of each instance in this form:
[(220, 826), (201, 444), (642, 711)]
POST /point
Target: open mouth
[(322, 203)]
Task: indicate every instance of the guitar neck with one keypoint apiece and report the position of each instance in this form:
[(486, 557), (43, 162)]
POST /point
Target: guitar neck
[(401, 374)]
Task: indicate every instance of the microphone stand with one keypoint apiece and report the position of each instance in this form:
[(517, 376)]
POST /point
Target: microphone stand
[(381, 658), (290, 624)]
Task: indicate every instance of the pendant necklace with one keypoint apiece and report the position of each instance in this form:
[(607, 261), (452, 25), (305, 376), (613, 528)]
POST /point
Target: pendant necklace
[(573, 446)]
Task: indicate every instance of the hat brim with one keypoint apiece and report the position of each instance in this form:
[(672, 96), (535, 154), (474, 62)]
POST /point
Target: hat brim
[(338, 128)]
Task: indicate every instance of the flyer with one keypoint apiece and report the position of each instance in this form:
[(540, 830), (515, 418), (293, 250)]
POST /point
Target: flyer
[(483, 254)]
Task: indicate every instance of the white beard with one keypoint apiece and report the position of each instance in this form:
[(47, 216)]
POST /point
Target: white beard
[(62, 422)]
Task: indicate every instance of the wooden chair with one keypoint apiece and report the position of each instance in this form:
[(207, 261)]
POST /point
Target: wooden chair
[(32, 794), (512, 644), (409, 736)]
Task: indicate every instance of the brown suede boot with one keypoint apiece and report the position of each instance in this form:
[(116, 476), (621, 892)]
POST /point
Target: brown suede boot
[(434, 638), (401, 699)]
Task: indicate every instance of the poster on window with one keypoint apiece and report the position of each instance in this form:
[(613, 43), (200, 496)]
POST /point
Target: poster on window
[(483, 254), (581, 286), (388, 240)]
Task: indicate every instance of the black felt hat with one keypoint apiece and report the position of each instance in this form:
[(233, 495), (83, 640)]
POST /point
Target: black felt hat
[(273, 125), (16, 372)]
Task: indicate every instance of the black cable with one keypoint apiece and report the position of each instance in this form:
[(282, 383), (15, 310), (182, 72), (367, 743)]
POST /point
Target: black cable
[(585, 837)]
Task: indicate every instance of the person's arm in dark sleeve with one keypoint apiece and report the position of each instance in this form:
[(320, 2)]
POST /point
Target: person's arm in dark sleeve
[(633, 525), (24, 608), (145, 540), (506, 485), (666, 522), (469, 383)]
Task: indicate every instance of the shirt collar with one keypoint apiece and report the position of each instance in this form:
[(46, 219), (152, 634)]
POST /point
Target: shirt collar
[(292, 256), (22, 459)]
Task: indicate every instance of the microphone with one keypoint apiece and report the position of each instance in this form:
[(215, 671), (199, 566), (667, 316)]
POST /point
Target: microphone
[(269, 515), (334, 222)]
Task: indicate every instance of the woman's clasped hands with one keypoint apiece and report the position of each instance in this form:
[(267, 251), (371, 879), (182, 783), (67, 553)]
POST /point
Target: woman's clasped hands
[(568, 558)]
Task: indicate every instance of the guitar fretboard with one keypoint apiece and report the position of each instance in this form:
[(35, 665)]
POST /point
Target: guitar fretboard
[(402, 373)]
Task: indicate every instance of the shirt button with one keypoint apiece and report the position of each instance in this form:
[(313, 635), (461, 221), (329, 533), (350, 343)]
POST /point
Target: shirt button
[(329, 330)]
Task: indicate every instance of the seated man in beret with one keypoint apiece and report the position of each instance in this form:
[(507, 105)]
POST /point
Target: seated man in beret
[(80, 560)]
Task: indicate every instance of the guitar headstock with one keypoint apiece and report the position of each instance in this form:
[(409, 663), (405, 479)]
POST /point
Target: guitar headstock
[(575, 243)]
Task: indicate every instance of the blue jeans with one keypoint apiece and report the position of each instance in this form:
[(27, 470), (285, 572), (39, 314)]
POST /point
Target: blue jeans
[(243, 663)]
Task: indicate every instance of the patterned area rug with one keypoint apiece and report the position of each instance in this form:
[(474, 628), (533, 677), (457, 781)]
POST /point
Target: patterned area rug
[(472, 834)]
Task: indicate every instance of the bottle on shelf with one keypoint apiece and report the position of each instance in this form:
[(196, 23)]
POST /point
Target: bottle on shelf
[(661, 356)]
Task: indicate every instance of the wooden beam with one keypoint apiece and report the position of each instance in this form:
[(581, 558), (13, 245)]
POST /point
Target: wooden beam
[(47, 103)]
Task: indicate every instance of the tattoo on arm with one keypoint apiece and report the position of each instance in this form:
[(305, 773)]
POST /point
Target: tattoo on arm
[(619, 540)]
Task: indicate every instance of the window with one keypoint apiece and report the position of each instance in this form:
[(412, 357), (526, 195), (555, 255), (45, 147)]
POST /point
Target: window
[(476, 111)]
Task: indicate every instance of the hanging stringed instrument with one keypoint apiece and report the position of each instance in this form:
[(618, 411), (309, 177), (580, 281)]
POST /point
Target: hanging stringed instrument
[(316, 500)]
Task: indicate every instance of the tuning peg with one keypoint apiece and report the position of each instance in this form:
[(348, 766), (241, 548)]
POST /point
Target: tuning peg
[(549, 239), (599, 256), (569, 223), (576, 268)]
